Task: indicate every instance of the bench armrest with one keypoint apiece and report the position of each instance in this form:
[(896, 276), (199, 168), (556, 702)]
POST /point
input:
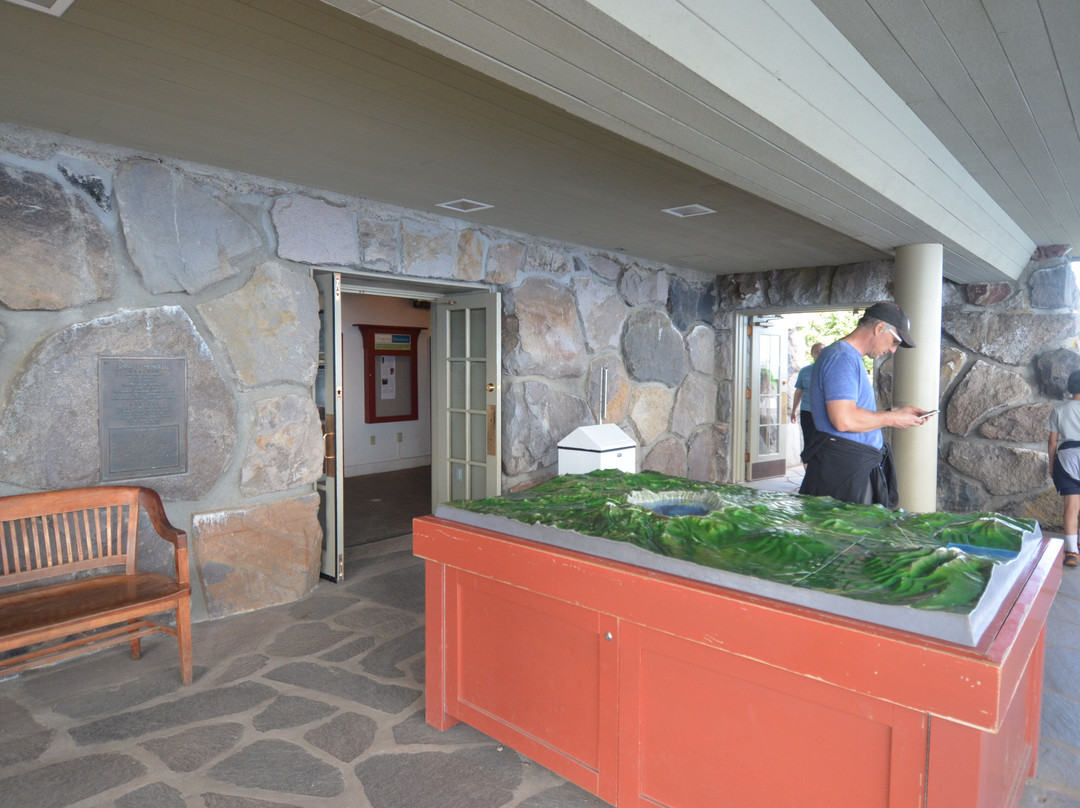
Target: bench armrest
[(151, 503)]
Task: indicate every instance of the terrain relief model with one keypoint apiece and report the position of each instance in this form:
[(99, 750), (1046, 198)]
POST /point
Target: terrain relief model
[(930, 561)]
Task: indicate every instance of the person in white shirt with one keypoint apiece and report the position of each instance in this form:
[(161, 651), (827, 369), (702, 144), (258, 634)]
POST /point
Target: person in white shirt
[(1063, 447)]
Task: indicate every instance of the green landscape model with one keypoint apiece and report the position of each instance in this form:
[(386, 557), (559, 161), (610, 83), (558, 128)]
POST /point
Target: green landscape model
[(936, 561)]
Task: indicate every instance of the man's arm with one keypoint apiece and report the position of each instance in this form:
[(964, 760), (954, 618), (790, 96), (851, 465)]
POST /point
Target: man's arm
[(1051, 447), (846, 416), (795, 399)]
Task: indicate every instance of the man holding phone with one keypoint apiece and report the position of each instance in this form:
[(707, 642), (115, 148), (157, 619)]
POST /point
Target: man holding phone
[(848, 458)]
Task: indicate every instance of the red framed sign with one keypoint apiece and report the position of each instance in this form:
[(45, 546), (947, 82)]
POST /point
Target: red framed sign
[(390, 380)]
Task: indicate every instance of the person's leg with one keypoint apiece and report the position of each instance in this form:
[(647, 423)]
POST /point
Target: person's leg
[(1072, 518)]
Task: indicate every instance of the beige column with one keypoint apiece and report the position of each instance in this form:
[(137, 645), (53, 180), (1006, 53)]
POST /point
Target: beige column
[(916, 373)]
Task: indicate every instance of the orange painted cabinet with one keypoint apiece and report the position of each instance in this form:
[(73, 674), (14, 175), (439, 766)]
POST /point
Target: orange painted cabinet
[(649, 690)]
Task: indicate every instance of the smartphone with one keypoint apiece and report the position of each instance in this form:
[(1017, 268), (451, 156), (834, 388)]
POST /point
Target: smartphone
[(928, 414)]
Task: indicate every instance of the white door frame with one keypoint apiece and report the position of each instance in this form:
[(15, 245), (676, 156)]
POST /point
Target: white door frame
[(740, 414)]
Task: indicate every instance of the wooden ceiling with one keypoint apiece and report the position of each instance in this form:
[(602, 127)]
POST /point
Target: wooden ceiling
[(580, 123)]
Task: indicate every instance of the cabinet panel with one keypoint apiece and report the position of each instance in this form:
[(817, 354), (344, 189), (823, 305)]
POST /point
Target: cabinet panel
[(711, 728), (539, 668)]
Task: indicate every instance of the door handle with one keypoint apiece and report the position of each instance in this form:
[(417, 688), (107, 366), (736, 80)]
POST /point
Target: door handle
[(329, 439)]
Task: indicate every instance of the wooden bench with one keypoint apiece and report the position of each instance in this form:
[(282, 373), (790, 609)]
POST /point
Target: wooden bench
[(68, 576)]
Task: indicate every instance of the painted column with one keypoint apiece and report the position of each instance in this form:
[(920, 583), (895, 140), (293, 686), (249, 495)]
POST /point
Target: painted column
[(917, 372)]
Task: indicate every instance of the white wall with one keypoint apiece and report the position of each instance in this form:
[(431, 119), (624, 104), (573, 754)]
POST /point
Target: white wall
[(387, 453)]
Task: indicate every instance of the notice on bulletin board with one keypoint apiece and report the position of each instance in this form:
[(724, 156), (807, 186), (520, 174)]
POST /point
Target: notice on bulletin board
[(393, 342), (387, 381)]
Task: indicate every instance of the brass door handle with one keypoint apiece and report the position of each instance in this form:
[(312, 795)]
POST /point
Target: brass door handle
[(329, 466)]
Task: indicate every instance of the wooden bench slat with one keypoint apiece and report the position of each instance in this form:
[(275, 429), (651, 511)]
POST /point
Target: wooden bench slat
[(60, 608)]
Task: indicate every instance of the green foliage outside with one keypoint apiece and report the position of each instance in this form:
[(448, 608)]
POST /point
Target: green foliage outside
[(827, 327)]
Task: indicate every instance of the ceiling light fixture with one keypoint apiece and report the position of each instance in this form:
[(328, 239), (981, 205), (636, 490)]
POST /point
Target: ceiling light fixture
[(54, 7), (463, 205), (686, 211)]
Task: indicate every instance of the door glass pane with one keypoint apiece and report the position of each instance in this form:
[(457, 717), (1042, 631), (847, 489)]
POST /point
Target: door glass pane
[(457, 332), (457, 481), (477, 385), (478, 333), (478, 437), (770, 408), (768, 440), (457, 435), (478, 476), (770, 364), (457, 385)]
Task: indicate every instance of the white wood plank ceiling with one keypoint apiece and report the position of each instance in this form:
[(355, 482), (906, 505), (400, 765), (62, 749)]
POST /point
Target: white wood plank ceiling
[(821, 133)]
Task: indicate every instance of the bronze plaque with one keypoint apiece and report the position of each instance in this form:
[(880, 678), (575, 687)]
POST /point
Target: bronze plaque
[(143, 407)]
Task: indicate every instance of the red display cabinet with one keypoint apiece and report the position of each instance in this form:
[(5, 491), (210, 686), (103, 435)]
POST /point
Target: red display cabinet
[(648, 689)]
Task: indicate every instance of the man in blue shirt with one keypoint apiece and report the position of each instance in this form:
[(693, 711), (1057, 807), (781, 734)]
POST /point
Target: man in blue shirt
[(848, 459), (800, 402)]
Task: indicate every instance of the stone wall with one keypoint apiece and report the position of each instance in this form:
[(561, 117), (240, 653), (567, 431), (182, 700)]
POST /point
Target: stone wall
[(110, 253), (1007, 351)]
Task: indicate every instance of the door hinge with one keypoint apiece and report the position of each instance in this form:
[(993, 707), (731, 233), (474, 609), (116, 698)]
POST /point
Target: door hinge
[(747, 457), (748, 394)]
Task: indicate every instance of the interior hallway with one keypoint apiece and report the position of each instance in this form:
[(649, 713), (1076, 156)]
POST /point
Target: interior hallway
[(320, 703)]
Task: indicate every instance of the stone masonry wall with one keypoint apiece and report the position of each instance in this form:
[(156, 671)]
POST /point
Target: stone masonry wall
[(109, 253), (1007, 352)]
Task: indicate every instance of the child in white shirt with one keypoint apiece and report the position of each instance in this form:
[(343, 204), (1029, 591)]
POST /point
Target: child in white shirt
[(1064, 450)]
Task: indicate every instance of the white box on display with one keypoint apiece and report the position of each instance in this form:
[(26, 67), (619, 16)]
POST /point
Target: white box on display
[(600, 446)]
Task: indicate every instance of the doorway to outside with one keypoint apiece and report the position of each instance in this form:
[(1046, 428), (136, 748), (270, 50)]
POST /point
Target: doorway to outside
[(773, 347)]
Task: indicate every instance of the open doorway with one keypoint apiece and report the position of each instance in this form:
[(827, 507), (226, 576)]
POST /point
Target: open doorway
[(775, 347), (417, 400), (387, 463)]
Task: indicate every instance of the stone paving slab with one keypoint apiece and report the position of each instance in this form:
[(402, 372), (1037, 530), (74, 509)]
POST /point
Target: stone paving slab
[(320, 703)]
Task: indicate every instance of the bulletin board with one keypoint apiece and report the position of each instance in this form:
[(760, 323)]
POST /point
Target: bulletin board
[(390, 386)]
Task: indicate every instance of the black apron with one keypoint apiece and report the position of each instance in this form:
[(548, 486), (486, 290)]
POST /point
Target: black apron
[(844, 469)]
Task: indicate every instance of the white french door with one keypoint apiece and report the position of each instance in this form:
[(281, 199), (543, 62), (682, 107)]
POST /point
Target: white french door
[(330, 485), (767, 400), (466, 392)]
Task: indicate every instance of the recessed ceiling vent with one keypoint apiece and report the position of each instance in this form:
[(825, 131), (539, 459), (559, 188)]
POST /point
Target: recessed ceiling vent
[(54, 7), (463, 205), (686, 211)]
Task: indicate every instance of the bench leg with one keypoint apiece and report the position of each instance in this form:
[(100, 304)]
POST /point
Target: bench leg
[(136, 644), (183, 638)]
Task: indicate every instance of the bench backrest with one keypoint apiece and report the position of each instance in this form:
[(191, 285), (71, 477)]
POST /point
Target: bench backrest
[(57, 532)]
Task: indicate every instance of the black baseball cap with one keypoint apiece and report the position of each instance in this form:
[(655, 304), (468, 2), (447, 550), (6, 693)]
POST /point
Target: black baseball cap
[(893, 315)]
